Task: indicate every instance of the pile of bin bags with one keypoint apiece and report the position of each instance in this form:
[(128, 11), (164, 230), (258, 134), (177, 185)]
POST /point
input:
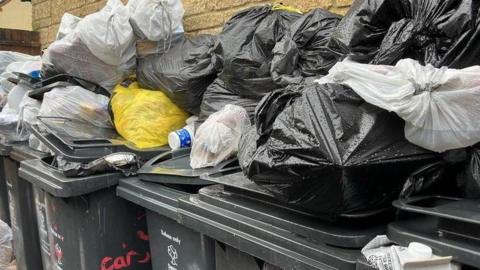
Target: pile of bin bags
[(349, 141)]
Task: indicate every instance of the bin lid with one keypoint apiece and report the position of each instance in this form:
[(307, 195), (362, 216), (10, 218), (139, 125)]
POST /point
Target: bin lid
[(19, 151), (173, 167), (340, 235), (234, 180), (50, 179), (424, 230), (155, 197), (79, 142), (260, 238), (451, 226)]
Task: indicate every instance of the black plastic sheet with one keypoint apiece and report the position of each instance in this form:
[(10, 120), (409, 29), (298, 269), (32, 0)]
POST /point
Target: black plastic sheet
[(324, 149), (437, 32), (183, 72), (244, 51), (304, 50)]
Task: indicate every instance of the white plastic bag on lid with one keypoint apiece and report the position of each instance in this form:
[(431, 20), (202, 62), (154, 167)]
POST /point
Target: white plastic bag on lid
[(156, 20), (440, 106), (217, 138), (108, 33), (74, 102)]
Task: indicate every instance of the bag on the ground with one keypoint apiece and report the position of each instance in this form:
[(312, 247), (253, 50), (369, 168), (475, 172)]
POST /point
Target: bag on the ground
[(217, 138), (182, 72), (437, 32), (244, 50), (325, 150), (76, 103), (304, 50), (6, 245), (144, 117), (439, 106), (156, 20)]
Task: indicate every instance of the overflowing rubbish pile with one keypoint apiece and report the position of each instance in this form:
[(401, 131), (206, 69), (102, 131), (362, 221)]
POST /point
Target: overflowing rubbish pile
[(332, 115)]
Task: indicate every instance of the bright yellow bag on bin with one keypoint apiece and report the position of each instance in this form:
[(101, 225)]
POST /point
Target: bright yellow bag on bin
[(144, 117)]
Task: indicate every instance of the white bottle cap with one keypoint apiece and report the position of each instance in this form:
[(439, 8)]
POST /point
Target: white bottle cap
[(173, 141), (420, 251)]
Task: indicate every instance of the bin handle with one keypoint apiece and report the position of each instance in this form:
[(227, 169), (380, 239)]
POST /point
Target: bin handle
[(407, 204)]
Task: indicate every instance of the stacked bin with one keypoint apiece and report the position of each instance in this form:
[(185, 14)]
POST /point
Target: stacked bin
[(161, 183), (243, 216), (21, 206), (82, 224)]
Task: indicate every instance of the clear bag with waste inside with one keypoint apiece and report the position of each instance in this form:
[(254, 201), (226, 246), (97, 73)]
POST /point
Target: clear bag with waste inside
[(74, 102), (217, 138)]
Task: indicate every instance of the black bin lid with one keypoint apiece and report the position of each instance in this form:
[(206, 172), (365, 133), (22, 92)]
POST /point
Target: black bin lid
[(258, 229), (50, 179), (155, 197), (451, 226), (79, 142), (173, 167), (235, 181)]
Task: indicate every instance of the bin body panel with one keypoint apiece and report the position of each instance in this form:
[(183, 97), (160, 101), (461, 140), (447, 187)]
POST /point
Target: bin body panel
[(174, 246), (93, 231), (4, 208), (22, 218)]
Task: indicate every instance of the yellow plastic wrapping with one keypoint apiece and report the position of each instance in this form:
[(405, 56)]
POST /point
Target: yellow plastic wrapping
[(145, 117)]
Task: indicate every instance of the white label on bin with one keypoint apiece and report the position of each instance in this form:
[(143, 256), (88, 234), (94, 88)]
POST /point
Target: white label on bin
[(171, 238)]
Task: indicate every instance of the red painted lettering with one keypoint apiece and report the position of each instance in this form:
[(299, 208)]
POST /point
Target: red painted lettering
[(107, 263)]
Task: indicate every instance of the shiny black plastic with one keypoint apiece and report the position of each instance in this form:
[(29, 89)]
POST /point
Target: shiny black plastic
[(244, 51), (304, 50), (217, 96), (324, 149), (437, 32), (183, 72)]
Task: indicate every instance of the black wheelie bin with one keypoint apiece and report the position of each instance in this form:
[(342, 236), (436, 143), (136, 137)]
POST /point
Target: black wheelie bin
[(450, 226), (83, 224), (159, 185), (244, 216), (21, 206)]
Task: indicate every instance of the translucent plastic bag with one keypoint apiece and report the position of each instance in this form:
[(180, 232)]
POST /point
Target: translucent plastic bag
[(440, 106), (108, 33), (218, 137), (68, 24), (24, 67), (6, 248), (156, 19), (74, 102), (8, 57), (71, 56), (145, 117)]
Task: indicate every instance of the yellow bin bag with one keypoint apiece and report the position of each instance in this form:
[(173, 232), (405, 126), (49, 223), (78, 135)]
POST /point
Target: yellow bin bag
[(145, 117)]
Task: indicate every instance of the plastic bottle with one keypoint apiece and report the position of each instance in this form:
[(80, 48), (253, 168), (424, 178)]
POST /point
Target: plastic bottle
[(183, 138)]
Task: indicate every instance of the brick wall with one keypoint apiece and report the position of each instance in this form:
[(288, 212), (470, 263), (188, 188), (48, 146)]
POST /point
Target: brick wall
[(201, 16), (19, 41)]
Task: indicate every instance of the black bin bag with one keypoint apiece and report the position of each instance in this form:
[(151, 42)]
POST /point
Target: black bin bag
[(323, 149), (437, 32), (304, 50), (182, 69), (217, 96), (244, 51)]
